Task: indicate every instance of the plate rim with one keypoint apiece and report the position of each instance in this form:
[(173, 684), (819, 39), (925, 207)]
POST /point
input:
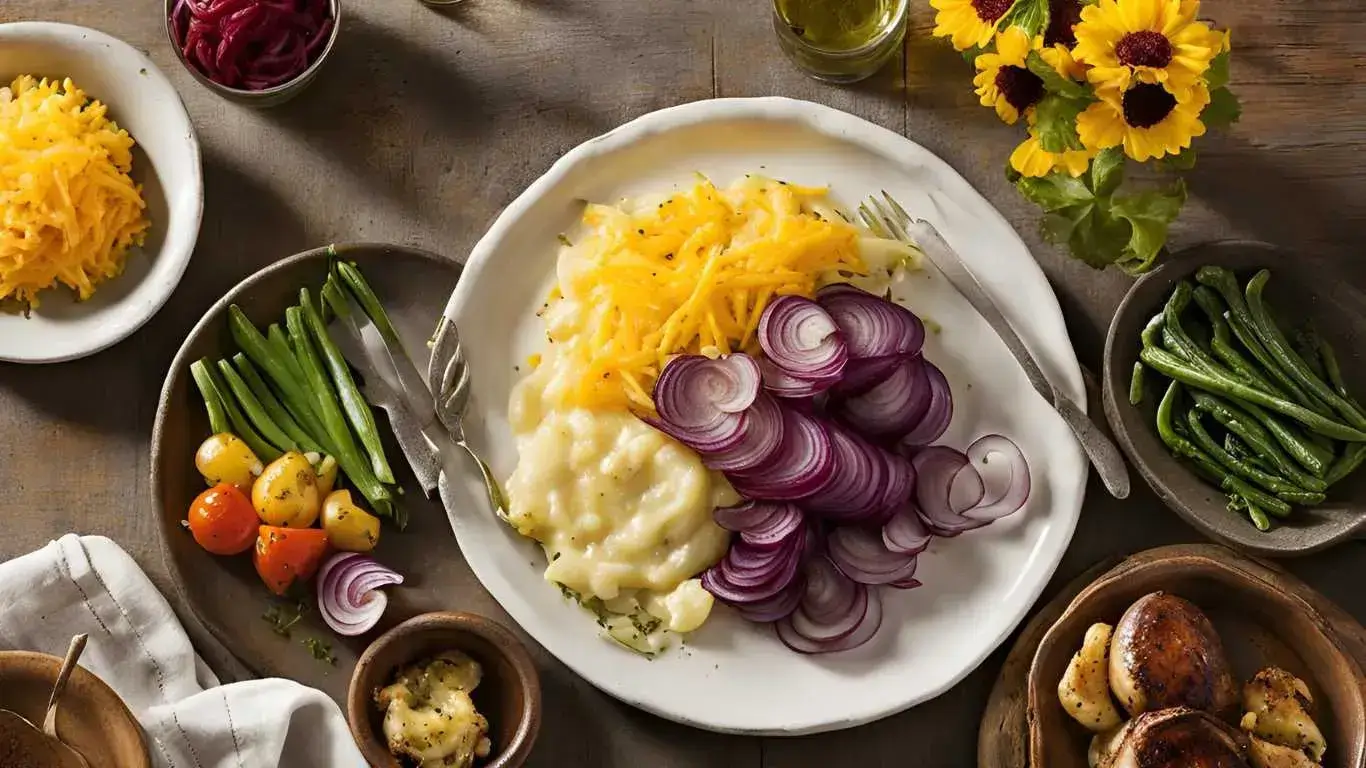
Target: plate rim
[(183, 252), (835, 124)]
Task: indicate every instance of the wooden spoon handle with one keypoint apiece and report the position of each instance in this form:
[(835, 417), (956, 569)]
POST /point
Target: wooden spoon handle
[(73, 654)]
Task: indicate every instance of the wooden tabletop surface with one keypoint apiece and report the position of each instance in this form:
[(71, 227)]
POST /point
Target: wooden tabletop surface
[(423, 126)]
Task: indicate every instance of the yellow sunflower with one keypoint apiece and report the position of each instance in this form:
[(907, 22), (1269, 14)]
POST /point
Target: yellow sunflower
[(1003, 78), (1146, 118), (1151, 41), (1031, 159), (968, 23)]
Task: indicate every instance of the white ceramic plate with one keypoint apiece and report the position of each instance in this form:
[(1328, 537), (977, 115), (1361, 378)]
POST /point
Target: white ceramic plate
[(165, 162), (734, 676)]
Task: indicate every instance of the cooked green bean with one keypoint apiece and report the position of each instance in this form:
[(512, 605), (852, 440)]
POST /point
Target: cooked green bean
[(1308, 351), (1237, 448), (201, 370), (1332, 369), (277, 412), (1237, 421), (369, 302), (1258, 517), (292, 391), (1301, 446), (1240, 321), (1136, 384), (255, 412), (352, 402), (1174, 367), (1275, 342), (1350, 459), (1152, 331), (1256, 497), (279, 342), (1283, 488), (1222, 345), (218, 418)]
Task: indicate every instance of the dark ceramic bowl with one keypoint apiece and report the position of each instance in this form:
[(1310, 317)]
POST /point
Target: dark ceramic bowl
[(1303, 290), (509, 694)]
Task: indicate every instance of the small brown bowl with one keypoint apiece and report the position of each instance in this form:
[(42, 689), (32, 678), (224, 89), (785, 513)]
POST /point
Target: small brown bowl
[(91, 718), (509, 695), (1303, 289), (1264, 617)]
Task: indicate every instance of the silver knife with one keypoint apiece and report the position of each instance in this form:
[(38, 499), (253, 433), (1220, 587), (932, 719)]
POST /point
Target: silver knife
[(1102, 452), (371, 357)]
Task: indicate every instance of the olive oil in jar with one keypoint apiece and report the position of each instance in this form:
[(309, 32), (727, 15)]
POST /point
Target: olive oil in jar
[(837, 25), (840, 40)]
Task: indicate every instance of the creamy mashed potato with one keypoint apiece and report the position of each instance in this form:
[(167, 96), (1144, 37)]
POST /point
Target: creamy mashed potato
[(623, 511)]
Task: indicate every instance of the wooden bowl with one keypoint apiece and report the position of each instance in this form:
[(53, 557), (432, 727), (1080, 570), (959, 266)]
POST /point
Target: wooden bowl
[(1303, 289), (224, 593), (91, 718), (1263, 618), (509, 695)]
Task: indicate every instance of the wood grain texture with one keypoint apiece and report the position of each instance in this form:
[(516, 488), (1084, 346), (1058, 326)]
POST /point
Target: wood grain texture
[(424, 125)]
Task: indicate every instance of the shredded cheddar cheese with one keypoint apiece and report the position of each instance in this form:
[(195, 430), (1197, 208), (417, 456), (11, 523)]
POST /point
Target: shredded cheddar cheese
[(689, 274), (68, 209)]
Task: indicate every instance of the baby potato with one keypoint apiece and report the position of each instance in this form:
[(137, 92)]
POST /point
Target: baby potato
[(286, 493), (225, 459), (349, 528)]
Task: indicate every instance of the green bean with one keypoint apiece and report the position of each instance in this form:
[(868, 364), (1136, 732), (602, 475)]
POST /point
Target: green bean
[(201, 370), (1136, 384), (323, 399), (353, 404), (1238, 449), (266, 356), (1221, 343), (277, 412), (1283, 488), (355, 281), (279, 342), (1309, 352), (1258, 517), (1152, 331), (1346, 463), (1237, 421), (1175, 368), (1332, 369), (1240, 320), (1301, 446), (218, 418), (1271, 336), (333, 296), (1256, 497), (255, 412)]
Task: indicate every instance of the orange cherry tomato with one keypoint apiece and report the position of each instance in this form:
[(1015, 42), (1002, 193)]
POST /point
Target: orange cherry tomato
[(223, 521), (284, 555)]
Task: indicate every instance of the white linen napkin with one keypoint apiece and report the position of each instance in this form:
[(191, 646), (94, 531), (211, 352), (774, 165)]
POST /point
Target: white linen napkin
[(89, 584)]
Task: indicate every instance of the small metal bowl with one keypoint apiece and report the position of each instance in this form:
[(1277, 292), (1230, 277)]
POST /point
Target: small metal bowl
[(268, 97)]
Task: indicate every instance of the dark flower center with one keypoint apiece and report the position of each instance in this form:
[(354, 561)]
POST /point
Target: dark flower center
[(1147, 104), (1144, 49), (991, 10), (1021, 88), (1063, 15)]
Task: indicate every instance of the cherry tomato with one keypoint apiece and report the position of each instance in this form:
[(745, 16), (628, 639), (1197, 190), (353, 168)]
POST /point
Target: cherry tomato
[(284, 555), (223, 521)]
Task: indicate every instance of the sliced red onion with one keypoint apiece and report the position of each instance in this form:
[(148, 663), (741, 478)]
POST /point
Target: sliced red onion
[(936, 468), (802, 339), (856, 486), (905, 533), (893, 407), (937, 414), (860, 555), (775, 607), (867, 627), (799, 468), (785, 385), (910, 583), (776, 531), (761, 435), (842, 619), (862, 374), (747, 575), (901, 479), (348, 592), (702, 401), (871, 325), (1016, 490), (829, 593)]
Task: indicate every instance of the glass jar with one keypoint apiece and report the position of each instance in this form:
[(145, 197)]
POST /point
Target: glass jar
[(840, 41)]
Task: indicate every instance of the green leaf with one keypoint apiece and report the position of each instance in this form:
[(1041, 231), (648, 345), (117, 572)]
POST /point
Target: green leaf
[(1217, 75), (1055, 191), (1182, 162), (1107, 171), (1029, 15), (1223, 109), (1149, 214), (971, 54), (1099, 238), (1055, 122), (1052, 81)]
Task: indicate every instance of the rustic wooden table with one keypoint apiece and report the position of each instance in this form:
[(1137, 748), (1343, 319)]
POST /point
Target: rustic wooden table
[(423, 126)]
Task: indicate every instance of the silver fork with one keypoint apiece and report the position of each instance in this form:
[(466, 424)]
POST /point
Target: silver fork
[(448, 377), (886, 218)]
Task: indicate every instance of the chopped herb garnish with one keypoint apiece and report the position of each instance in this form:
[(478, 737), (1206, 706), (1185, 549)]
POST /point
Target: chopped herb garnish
[(321, 651), (564, 240)]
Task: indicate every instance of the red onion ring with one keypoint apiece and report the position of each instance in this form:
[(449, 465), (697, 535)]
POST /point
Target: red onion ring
[(785, 385), (892, 407), (860, 555), (761, 435), (867, 627), (799, 337), (856, 486), (701, 401), (871, 325), (938, 413), (801, 466), (774, 608), (239, 43), (348, 592), (905, 533), (1016, 491), (862, 374)]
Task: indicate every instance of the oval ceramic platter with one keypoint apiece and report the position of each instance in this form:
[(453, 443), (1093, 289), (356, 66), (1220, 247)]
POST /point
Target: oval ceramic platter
[(731, 675)]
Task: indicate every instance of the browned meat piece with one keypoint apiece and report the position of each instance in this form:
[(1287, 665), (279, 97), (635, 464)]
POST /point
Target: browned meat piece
[(1165, 653)]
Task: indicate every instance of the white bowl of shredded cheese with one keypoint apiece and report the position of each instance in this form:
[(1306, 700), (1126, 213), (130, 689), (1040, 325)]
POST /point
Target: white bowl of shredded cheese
[(165, 167)]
